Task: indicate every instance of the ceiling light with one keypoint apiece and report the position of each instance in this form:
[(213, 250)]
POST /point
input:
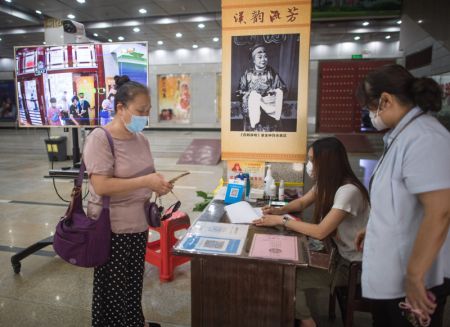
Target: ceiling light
[(95, 34), (420, 21), (70, 16), (8, 0), (0, 38), (143, 11), (38, 12), (109, 40), (120, 38), (387, 37), (136, 29), (195, 46), (399, 22), (356, 38), (160, 42), (215, 39), (44, 42), (178, 34), (365, 24), (81, 1), (201, 25)]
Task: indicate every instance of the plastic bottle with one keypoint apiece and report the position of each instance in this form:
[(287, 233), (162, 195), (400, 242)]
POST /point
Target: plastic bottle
[(273, 190), (268, 180), (281, 191)]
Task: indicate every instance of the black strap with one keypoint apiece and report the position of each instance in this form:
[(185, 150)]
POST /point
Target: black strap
[(389, 146)]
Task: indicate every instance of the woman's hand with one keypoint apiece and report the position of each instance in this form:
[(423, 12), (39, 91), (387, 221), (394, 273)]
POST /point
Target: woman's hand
[(417, 296), (158, 184), (268, 210), (269, 220), (359, 240)]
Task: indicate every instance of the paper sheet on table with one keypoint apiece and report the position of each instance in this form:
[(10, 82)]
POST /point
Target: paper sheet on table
[(242, 213), (274, 247)]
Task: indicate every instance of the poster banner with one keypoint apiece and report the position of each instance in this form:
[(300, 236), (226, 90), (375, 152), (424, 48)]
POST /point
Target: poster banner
[(265, 79), (174, 98)]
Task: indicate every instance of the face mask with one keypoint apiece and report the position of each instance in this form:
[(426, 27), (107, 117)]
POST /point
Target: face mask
[(137, 124), (309, 169), (376, 120)]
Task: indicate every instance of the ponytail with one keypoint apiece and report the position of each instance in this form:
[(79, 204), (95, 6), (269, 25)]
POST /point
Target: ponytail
[(426, 94)]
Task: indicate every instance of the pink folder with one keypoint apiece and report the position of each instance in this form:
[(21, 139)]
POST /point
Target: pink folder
[(274, 247)]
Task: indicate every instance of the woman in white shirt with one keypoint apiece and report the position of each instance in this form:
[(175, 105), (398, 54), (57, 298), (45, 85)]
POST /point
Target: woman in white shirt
[(407, 243), (341, 209)]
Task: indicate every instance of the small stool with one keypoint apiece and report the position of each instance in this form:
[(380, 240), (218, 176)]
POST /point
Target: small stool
[(159, 252)]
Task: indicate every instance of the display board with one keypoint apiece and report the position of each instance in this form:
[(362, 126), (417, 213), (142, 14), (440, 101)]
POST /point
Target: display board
[(174, 98), (265, 60), (73, 85)]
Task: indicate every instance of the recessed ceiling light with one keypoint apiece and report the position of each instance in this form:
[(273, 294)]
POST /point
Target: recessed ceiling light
[(143, 11), (81, 1), (399, 22), (120, 38), (8, 0), (44, 42), (136, 29), (0, 38), (201, 25), (420, 21), (365, 24), (95, 34), (38, 12), (215, 39), (178, 34), (356, 38), (160, 42), (195, 46), (70, 16), (109, 40), (387, 37)]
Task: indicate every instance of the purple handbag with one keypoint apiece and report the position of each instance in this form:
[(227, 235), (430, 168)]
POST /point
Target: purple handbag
[(154, 212), (79, 239)]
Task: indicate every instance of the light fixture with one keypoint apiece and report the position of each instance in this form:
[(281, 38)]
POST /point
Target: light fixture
[(160, 42), (178, 34), (195, 46), (44, 42), (399, 22), (420, 21), (38, 12), (70, 16), (216, 39), (0, 38), (356, 38), (8, 0), (95, 34), (109, 40), (81, 1), (365, 23), (143, 11), (120, 38), (136, 29), (201, 25), (387, 37)]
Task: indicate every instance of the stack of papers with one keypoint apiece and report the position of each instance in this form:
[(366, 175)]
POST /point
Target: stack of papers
[(274, 247), (242, 213)]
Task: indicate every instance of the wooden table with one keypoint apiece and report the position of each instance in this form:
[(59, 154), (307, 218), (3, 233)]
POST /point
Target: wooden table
[(241, 290)]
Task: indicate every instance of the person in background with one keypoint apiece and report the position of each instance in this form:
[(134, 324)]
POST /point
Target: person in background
[(72, 117), (105, 112), (129, 179), (407, 243), (341, 209), (54, 113), (83, 109)]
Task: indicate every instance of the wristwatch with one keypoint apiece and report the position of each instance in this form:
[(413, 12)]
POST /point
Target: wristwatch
[(285, 218)]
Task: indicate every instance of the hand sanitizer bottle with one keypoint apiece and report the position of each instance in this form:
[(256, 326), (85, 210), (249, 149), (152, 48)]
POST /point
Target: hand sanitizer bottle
[(268, 181), (281, 191)]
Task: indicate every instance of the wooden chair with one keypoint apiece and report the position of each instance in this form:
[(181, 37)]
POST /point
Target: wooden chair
[(349, 298)]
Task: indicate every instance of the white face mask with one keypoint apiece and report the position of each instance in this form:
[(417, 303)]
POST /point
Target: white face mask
[(309, 169), (376, 120)]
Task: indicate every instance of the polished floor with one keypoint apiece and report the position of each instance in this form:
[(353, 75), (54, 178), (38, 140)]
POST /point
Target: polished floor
[(49, 292)]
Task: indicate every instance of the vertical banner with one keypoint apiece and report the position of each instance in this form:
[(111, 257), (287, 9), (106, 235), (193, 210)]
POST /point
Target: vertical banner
[(174, 98), (265, 62)]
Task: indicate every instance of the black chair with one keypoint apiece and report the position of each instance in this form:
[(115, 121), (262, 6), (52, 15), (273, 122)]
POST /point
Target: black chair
[(349, 298)]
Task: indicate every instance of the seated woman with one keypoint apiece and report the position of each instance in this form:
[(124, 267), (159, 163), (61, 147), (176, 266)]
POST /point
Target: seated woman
[(341, 210)]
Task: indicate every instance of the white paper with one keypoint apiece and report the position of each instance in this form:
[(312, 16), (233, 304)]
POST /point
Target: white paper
[(242, 213)]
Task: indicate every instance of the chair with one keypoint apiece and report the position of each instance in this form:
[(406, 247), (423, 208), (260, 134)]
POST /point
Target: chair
[(349, 297), (159, 252)]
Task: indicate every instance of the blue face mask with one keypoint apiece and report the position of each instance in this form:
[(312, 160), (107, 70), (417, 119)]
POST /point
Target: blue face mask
[(137, 124)]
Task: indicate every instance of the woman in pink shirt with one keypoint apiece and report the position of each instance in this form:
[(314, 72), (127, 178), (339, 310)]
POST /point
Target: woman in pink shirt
[(129, 178)]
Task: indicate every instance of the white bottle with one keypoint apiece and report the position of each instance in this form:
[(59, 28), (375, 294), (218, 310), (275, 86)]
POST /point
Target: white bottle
[(281, 191), (273, 190), (268, 180)]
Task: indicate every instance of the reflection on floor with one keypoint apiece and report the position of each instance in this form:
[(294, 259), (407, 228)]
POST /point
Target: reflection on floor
[(49, 292)]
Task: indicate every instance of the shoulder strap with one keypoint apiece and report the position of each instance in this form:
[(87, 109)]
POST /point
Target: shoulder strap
[(79, 180)]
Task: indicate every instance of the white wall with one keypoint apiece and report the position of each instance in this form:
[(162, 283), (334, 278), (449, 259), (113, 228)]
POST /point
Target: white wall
[(344, 50)]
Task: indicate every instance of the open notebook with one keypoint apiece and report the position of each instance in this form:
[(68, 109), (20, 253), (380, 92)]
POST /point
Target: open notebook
[(242, 213)]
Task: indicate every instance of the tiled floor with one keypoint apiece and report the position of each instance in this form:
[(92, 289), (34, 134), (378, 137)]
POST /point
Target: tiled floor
[(49, 292)]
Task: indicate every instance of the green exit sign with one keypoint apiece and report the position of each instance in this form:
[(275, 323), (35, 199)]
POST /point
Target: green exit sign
[(357, 56)]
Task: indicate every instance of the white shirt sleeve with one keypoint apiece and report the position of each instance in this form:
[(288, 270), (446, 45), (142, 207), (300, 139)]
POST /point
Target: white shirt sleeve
[(349, 199), (426, 163)]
